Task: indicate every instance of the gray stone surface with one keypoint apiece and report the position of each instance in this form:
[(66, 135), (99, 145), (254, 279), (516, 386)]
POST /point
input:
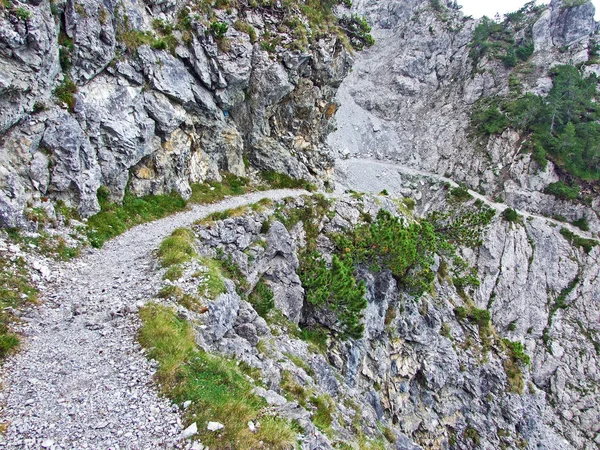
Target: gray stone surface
[(159, 119), (81, 378)]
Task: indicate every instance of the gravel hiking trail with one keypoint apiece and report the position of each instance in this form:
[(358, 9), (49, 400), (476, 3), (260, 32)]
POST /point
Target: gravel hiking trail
[(81, 380), (373, 176)]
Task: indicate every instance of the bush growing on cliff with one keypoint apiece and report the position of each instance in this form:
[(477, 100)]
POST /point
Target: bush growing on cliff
[(65, 92), (586, 244), (388, 242), (499, 40), (335, 288), (562, 190), (358, 31), (562, 126), (218, 29), (510, 215)]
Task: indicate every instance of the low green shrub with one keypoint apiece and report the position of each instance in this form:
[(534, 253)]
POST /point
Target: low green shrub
[(65, 92), (261, 298), (582, 223), (335, 288), (510, 215), (218, 29), (316, 336), (586, 244), (517, 351), (563, 191), (460, 193)]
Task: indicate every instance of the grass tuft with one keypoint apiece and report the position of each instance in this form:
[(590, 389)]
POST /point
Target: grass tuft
[(278, 180), (218, 389), (262, 298), (177, 248), (15, 291), (213, 283)]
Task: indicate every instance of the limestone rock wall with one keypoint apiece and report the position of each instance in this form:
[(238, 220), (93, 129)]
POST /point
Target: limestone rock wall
[(420, 370), (409, 98), (155, 110)]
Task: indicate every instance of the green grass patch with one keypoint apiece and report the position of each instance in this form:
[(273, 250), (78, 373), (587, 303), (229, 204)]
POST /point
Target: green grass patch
[(563, 191), (213, 284), (232, 271), (262, 298), (278, 180), (323, 413), (45, 244), (170, 291), (16, 291), (173, 273), (223, 215), (316, 337), (214, 191), (299, 362), (217, 388), (177, 248), (114, 219), (582, 223)]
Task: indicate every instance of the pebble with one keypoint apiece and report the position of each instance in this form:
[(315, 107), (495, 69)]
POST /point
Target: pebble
[(190, 431), (215, 426)]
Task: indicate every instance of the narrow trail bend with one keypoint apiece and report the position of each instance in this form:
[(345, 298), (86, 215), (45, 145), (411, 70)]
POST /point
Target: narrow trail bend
[(373, 176), (81, 381)]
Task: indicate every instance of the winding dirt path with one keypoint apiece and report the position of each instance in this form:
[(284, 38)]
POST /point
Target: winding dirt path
[(81, 380)]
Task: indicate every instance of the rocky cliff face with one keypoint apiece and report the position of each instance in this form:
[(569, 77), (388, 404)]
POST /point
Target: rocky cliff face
[(147, 96), (409, 98), (429, 372), (501, 350)]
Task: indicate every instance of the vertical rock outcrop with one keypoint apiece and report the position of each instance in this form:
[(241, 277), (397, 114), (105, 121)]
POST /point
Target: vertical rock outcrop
[(161, 99)]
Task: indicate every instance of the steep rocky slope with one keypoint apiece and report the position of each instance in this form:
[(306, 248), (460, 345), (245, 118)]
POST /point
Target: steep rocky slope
[(429, 371), (152, 96), (411, 96)]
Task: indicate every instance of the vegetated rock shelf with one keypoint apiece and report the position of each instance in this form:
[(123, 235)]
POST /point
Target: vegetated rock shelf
[(82, 381)]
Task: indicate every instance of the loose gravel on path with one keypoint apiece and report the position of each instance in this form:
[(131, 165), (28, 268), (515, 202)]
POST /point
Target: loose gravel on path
[(82, 381)]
